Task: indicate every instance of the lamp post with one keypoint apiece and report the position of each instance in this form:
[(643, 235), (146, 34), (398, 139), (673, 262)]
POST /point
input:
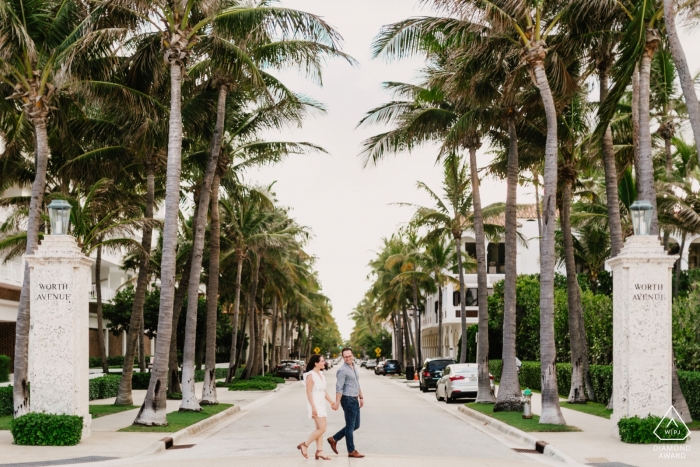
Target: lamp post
[(59, 215), (641, 217)]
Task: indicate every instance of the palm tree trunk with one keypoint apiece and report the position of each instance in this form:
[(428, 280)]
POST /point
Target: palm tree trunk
[(410, 340), (239, 351), (686, 79), (577, 394), (635, 126), (142, 347), (676, 285), (538, 205), (439, 346), (153, 409), (174, 386), (189, 398), (124, 395), (20, 389), (646, 165), (273, 341), (209, 388), (610, 169), (484, 394), (98, 310), (233, 361), (250, 364), (416, 325), (551, 412), (509, 389)]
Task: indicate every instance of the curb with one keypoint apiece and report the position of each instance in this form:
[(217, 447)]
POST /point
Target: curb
[(540, 446)]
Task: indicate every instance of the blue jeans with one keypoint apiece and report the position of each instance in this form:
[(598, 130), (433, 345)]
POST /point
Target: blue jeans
[(351, 408)]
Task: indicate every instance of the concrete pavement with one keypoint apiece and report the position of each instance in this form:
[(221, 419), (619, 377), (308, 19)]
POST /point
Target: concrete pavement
[(398, 427)]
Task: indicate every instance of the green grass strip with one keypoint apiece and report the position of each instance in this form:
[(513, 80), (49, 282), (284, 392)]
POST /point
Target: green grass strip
[(100, 410), (179, 420), (591, 408), (5, 422), (516, 420)]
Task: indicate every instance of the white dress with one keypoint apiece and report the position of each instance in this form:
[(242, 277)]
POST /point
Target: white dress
[(318, 393)]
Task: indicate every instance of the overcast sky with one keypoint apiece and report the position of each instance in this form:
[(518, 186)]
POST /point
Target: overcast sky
[(349, 208)]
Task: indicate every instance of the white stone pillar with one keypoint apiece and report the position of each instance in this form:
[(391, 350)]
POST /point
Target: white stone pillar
[(642, 346), (59, 328)]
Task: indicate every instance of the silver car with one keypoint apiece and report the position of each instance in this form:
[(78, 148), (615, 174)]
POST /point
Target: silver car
[(459, 380)]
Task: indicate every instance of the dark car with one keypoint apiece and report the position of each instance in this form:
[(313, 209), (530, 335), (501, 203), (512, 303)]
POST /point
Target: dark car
[(432, 372), (391, 367), (289, 369)]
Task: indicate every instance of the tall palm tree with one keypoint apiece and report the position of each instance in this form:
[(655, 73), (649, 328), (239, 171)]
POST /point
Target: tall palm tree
[(44, 45)]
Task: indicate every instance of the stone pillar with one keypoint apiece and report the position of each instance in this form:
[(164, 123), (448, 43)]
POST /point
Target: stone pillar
[(642, 346), (59, 326)]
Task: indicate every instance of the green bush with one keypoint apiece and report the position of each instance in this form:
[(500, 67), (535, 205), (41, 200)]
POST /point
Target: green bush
[(114, 360), (104, 387), (690, 386), (5, 363), (686, 330), (252, 385), (268, 378), (601, 378), (40, 429), (641, 430), (7, 406)]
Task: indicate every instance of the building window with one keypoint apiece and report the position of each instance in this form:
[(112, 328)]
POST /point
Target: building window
[(496, 257), (472, 299)]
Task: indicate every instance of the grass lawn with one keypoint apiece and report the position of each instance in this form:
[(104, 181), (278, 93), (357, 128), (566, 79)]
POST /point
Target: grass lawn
[(99, 410), (695, 426), (515, 419), (5, 422), (179, 420), (591, 408)]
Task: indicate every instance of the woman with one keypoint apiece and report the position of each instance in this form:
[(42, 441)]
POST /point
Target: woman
[(317, 397)]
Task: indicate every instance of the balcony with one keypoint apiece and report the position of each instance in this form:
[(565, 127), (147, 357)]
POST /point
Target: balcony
[(12, 272), (107, 293)]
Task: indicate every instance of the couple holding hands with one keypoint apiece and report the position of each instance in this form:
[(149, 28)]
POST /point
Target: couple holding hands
[(348, 396)]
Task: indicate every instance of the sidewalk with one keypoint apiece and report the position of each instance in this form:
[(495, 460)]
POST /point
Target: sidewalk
[(105, 440), (595, 444)]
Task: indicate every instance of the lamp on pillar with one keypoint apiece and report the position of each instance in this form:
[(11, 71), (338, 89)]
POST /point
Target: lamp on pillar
[(641, 217), (59, 215)]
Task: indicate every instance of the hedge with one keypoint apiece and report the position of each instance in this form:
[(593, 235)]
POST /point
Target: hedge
[(142, 380), (5, 363), (601, 377), (114, 360), (41, 429), (7, 406), (104, 387), (641, 430)]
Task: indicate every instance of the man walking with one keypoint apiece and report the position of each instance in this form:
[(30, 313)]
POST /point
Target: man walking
[(349, 396)]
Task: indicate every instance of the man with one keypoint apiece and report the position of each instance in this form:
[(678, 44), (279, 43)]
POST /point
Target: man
[(348, 395)]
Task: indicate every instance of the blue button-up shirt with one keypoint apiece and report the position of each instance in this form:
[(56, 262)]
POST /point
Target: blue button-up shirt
[(347, 381)]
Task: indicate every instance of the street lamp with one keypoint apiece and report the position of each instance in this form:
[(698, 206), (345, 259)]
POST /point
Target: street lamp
[(59, 215), (641, 217)]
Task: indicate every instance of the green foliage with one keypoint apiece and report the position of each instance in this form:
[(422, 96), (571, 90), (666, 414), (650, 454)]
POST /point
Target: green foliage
[(689, 278), (597, 314), (686, 330), (5, 363), (641, 430), (40, 429), (252, 385), (118, 311), (690, 386), (602, 380), (268, 377), (142, 380), (6, 402), (104, 387), (179, 420), (114, 360), (515, 419)]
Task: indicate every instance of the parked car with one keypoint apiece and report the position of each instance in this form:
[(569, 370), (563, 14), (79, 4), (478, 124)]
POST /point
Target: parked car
[(290, 369), (363, 364), (391, 367), (458, 381), (371, 365), (432, 372), (379, 369)]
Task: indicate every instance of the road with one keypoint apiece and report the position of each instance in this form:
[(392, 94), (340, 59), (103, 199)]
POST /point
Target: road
[(399, 427)]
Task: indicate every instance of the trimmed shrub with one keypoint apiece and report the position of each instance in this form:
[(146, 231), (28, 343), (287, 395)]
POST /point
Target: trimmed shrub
[(252, 385), (114, 360), (104, 387), (7, 406), (602, 380), (268, 378), (140, 380), (641, 430), (40, 429), (690, 386), (5, 363)]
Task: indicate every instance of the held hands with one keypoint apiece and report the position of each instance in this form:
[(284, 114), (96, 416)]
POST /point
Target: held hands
[(335, 406)]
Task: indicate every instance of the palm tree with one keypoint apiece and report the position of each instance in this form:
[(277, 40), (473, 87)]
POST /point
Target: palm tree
[(51, 39)]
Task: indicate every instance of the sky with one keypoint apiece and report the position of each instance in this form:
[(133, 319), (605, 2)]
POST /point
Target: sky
[(349, 208)]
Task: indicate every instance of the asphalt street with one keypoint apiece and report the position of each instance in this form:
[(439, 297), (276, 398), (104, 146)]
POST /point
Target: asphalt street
[(399, 426)]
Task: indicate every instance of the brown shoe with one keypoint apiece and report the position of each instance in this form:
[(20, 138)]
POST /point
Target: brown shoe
[(333, 444), (355, 454)]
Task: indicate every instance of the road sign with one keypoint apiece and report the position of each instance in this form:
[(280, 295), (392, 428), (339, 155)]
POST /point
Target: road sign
[(378, 351), (317, 350)]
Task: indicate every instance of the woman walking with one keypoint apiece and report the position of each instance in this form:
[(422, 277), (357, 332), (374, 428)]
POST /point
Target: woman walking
[(317, 397)]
